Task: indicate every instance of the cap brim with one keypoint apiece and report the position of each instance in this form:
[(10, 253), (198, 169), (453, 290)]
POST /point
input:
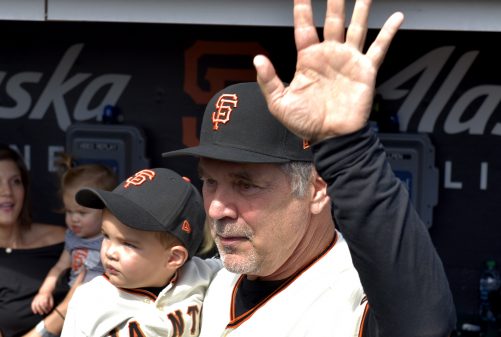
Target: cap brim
[(90, 198), (122, 208), (231, 154)]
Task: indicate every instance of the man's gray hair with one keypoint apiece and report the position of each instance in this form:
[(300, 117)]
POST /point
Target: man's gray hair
[(300, 174)]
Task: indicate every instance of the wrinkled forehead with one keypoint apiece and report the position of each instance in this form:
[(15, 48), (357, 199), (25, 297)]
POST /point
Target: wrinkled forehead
[(208, 167)]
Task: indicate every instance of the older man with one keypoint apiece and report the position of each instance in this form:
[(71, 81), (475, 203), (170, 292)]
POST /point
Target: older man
[(317, 236)]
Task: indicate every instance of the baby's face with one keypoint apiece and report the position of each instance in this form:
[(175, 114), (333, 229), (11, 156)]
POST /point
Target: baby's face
[(84, 222), (133, 258)]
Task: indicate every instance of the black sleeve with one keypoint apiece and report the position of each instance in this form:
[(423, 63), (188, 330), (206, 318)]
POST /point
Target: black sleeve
[(399, 268)]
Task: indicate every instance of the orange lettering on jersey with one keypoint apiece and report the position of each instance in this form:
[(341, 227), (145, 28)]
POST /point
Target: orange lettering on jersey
[(186, 227), (193, 311), (224, 106), (135, 330), (139, 178), (177, 321)]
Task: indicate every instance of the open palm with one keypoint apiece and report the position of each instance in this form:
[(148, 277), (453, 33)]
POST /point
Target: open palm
[(332, 90)]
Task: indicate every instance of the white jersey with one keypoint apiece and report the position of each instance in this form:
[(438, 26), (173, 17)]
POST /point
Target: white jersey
[(325, 299), (98, 308)]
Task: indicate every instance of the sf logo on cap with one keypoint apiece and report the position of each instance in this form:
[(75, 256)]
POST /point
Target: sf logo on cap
[(139, 178), (224, 106)]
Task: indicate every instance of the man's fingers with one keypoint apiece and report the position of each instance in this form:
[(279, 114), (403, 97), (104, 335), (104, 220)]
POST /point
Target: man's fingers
[(271, 85), (264, 68), (305, 32), (267, 78), (377, 50), (334, 21), (357, 29)]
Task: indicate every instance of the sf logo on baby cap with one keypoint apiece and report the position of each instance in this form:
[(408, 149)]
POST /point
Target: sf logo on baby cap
[(139, 178)]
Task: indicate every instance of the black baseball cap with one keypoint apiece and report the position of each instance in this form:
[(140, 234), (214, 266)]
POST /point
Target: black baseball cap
[(238, 127), (155, 199)]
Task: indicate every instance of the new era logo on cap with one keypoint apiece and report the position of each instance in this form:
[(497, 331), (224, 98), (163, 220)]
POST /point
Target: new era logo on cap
[(237, 126), (186, 227), (154, 200)]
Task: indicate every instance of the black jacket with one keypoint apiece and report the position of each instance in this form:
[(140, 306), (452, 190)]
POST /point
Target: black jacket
[(399, 268)]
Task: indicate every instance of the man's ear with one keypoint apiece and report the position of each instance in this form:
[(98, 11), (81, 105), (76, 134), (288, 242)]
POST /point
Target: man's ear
[(320, 199), (177, 257)]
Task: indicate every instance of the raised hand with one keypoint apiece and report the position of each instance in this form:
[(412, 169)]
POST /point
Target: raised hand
[(332, 90)]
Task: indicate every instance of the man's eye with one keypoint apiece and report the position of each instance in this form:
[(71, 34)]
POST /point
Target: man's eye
[(246, 186), (209, 181)]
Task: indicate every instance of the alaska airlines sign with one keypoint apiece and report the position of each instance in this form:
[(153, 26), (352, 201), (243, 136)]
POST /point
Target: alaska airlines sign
[(60, 82), (426, 69)]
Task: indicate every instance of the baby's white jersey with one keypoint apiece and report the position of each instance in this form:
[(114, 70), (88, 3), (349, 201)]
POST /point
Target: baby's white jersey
[(325, 299), (98, 308)]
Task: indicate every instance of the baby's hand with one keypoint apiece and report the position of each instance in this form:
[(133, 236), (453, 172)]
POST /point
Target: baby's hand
[(42, 303)]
